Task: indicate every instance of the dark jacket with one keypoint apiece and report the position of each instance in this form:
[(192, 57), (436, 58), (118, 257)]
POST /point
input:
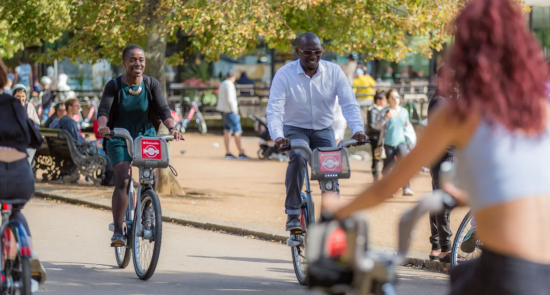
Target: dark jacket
[(47, 99), (16, 130), (373, 131), (158, 108), (68, 124), (437, 101)]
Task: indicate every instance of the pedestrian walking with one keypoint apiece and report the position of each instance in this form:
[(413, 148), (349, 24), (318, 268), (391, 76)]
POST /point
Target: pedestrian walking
[(47, 97), (229, 107), (373, 130), (349, 68), (23, 74), (395, 119)]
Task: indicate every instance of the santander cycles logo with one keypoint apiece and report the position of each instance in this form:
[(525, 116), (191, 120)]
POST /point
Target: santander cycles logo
[(330, 161), (151, 149)]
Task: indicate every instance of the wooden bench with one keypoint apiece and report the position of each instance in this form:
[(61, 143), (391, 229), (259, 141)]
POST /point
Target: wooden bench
[(63, 158)]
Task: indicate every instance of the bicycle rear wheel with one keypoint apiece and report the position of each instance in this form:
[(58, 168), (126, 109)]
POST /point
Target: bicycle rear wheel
[(123, 254), (465, 230), (25, 275), (146, 244), (201, 124)]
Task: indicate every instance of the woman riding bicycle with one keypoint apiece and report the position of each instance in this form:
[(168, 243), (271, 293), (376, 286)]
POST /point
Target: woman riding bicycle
[(16, 177), (134, 102), (501, 128)]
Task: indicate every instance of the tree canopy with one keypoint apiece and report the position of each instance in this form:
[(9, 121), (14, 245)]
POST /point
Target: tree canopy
[(382, 29)]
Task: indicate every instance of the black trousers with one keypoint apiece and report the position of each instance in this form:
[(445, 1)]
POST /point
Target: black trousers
[(440, 224), (373, 138), (494, 273), (393, 152)]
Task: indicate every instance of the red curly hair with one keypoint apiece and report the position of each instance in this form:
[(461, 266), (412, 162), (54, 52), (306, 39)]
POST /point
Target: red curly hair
[(499, 66)]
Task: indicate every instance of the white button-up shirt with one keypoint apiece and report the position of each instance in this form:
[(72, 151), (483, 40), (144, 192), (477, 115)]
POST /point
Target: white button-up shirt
[(297, 100)]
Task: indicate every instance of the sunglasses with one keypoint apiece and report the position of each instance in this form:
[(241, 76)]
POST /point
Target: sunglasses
[(311, 52), (396, 97)]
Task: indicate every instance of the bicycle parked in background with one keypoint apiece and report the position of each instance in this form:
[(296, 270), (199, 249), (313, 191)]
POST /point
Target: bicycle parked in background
[(143, 226), (185, 111), (327, 165)]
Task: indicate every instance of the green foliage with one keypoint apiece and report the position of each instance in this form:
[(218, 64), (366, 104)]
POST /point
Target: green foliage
[(203, 71)]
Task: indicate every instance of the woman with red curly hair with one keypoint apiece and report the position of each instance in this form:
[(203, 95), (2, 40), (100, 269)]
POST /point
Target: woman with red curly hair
[(501, 128)]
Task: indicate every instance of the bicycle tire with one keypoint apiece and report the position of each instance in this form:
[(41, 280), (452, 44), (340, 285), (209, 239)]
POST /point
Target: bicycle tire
[(148, 198), (201, 124), (26, 287), (459, 237), (299, 261), (123, 254)]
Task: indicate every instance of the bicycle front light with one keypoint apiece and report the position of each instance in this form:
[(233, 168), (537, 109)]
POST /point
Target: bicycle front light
[(328, 185)]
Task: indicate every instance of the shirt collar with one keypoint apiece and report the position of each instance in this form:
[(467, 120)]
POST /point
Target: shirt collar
[(300, 70)]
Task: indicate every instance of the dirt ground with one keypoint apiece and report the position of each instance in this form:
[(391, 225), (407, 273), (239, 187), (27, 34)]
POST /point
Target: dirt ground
[(253, 191)]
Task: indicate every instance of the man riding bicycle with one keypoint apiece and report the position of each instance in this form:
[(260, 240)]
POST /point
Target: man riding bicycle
[(301, 100)]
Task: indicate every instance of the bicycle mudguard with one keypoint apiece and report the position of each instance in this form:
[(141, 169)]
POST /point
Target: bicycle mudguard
[(24, 246)]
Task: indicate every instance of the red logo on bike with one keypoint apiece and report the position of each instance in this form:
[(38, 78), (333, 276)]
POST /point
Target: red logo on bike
[(330, 162), (150, 149)]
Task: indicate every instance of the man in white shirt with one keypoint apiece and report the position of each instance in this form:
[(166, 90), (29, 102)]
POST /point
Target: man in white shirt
[(301, 102), (228, 105)]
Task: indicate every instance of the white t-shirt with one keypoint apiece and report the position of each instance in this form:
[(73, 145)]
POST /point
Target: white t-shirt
[(227, 98)]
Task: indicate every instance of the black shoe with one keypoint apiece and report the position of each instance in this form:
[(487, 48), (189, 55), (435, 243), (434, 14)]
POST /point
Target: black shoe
[(243, 157), (293, 222), (118, 240), (230, 156)]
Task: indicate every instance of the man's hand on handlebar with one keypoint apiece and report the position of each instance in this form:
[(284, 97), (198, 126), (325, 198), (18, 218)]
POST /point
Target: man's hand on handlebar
[(282, 142), (360, 137)]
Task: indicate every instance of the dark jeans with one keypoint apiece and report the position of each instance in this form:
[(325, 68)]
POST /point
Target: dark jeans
[(440, 221), (17, 182), (494, 273), (391, 153), (297, 164), (373, 138)]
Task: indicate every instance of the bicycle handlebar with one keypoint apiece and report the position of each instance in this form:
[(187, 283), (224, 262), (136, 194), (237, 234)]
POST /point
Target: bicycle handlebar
[(298, 144), (123, 133), (351, 142)]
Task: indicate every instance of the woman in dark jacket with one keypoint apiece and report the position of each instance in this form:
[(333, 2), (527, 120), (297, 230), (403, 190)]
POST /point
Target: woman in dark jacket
[(134, 102), (16, 177)]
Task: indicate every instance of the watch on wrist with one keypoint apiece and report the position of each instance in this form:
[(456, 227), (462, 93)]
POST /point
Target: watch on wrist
[(170, 129)]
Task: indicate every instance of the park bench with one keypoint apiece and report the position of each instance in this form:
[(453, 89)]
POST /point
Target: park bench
[(61, 157)]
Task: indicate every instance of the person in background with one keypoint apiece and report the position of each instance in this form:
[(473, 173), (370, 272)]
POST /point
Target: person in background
[(17, 181), (11, 76), (72, 106), (349, 68), (229, 106), (47, 97), (388, 75), (366, 82), (373, 130), (23, 74), (395, 119), (53, 120), (244, 80), (20, 92)]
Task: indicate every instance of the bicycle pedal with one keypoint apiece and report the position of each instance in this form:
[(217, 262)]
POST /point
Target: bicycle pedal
[(296, 232), (118, 244)]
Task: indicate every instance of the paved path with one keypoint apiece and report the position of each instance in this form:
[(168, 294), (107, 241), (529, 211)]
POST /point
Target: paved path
[(73, 243)]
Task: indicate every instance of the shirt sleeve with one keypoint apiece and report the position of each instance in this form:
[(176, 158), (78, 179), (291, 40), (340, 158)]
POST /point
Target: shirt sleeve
[(276, 107), (346, 99), (232, 99)]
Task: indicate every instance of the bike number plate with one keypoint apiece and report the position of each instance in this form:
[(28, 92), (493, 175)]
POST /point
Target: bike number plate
[(151, 149), (330, 162)]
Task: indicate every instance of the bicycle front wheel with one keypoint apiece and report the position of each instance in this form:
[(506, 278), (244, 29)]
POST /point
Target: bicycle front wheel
[(465, 234), (201, 124), (122, 254), (147, 242)]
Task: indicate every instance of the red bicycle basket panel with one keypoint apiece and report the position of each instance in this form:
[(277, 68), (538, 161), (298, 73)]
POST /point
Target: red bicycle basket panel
[(151, 149), (330, 162)]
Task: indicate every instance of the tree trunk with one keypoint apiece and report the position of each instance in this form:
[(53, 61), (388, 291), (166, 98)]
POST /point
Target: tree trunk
[(156, 53)]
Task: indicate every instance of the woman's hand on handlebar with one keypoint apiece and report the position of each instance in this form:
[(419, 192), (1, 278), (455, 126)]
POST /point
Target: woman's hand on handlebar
[(103, 130), (177, 135)]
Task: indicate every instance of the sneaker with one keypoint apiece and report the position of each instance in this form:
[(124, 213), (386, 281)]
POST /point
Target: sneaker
[(470, 241), (230, 156), (293, 222), (408, 192), (38, 272), (118, 240), (243, 157)]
